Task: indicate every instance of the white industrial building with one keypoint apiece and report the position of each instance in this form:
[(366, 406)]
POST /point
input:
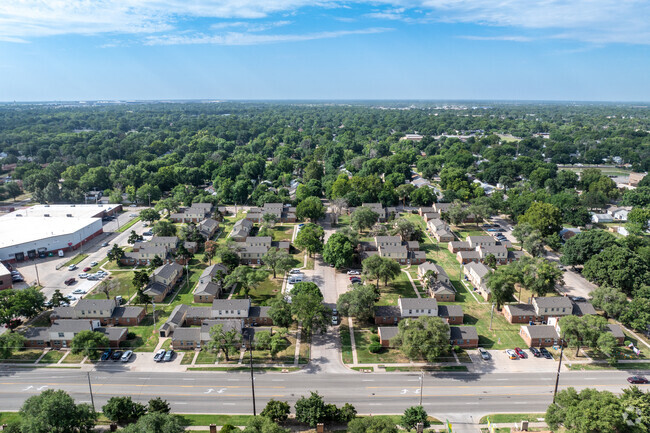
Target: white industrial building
[(43, 229)]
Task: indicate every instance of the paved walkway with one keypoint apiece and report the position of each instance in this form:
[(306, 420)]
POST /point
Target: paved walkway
[(415, 288), (353, 343), (296, 356)]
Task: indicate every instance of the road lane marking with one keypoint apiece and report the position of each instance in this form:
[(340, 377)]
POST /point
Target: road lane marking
[(141, 385)]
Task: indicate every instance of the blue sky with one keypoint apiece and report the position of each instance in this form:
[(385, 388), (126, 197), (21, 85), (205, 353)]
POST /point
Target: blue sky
[(324, 49)]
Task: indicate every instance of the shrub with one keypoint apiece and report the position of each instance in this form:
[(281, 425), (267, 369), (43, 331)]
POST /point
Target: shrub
[(374, 338), (374, 347)]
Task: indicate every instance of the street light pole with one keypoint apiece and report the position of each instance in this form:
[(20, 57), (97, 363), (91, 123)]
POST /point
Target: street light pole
[(491, 315), (250, 343), (421, 385), (559, 365), (90, 387), (38, 281)]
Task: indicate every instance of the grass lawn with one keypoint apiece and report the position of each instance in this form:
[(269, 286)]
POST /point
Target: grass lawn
[(76, 259), (51, 357), (362, 341), (400, 286), (346, 344), (202, 420), (465, 230), (240, 369), (123, 286), (264, 292), (7, 417), (627, 366), (206, 357), (512, 417), (187, 357), (429, 368), (305, 349), (285, 356), (503, 335), (145, 340), (24, 356), (73, 359), (282, 233), (128, 225)]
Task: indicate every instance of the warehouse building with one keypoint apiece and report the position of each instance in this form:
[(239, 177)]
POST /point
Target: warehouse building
[(39, 230)]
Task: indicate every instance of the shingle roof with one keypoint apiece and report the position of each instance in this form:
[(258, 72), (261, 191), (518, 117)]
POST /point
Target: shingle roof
[(37, 333), (452, 310), (166, 271), (463, 333), (393, 249), (583, 308), (469, 254), (211, 271), (187, 334), (387, 311), (417, 303), (177, 317), (476, 239), (63, 312), (231, 304), (156, 288), (71, 325), (208, 287), (128, 312), (113, 333), (479, 269), (388, 239), (95, 304), (259, 312), (387, 332), (541, 331), (616, 330), (521, 309), (553, 302), (199, 312), (228, 325)]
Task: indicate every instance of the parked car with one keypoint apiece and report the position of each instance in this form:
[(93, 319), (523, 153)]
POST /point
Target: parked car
[(93, 263), (79, 292), (294, 271), (637, 379), (93, 277), (577, 298), (536, 353), (148, 233), (520, 353), (72, 267), (71, 298), (83, 275), (133, 215), (127, 356), (106, 355), (355, 280), (69, 281), (17, 278), (335, 320), (100, 272), (117, 355), (545, 353), (335, 312), (87, 268), (15, 273), (511, 354), (485, 355), (169, 355), (104, 244), (301, 225), (354, 272), (159, 355)]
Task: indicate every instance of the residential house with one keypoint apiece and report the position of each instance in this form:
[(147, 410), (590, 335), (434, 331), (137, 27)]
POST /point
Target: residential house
[(539, 335), (476, 274), (440, 288), (426, 209), (106, 311), (282, 213), (568, 232), (541, 309), (452, 313), (412, 137), (601, 218), (197, 212), (384, 213), (441, 207), (207, 289), (416, 307), (253, 249), (387, 335), (163, 280), (208, 227), (145, 253), (465, 257), (431, 216), (465, 337), (230, 308), (619, 213), (480, 241), (500, 253), (61, 333), (398, 253), (456, 246), (241, 230)]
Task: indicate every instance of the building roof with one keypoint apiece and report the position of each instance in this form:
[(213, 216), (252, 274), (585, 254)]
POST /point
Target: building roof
[(541, 331), (95, 304), (63, 312), (177, 317), (479, 269), (417, 303), (459, 244), (254, 249), (231, 304), (616, 330), (429, 266), (387, 332), (451, 310), (208, 287), (228, 325), (388, 239), (492, 249), (71, 325), (258, 239), (393, 249), (211, 271), (411, 245), (113, 333), (127, 312), (168, 270), (553, 302), (481, 239), (463, 333), (243, 223), (521, 309), (199, 312), (172, 240), (583, 308), (156, 288), (387, 311), (259, 312), (187, 334), (40, 333), (469, 254)]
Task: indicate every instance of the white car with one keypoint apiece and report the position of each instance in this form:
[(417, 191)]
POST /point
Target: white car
[(353, 272), (71, 298), (294, 271), (93, 264), (512, 354), (72, 267), (83, 275), (101, 272), (79, 292), (133, 215)]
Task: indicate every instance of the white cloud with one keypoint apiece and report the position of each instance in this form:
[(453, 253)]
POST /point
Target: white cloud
[(239, 38), (249, 26), (497, 38), (597, 21)]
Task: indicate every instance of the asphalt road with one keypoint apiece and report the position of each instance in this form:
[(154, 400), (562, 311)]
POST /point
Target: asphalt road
[(456, 396)]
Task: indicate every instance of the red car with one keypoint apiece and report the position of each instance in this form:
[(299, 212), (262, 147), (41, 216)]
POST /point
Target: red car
[(637, 379), (87, 268), (520, 353)]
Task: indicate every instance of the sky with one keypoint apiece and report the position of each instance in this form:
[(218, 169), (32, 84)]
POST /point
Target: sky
[(563, 50)]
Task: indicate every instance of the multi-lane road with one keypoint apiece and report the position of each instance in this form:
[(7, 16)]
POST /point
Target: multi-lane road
[(447, 395)]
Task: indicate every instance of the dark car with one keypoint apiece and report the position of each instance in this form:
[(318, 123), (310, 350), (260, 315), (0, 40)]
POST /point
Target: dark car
[(637, 379), (69, 281), (117, 355), (545, 353), (158, 357), (355, 280), (520, 353), (106, 355), (577, 298), (536, 353), (169, 355)]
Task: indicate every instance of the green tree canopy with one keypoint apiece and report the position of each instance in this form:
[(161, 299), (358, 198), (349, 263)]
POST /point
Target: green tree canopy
[(338, 250), (618, 267), (156, 422), (358, 302), (587, 411), (310, 238), (54, 411), (425, 337), (310, 208), (544, 217), (276, 411), (581, 247), (363, 218), (413, 416), (277, 259), (89, 342)]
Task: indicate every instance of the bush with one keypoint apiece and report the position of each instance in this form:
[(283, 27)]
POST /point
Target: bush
[(457, 349), (229, 428), (374, 338), (374, 347)]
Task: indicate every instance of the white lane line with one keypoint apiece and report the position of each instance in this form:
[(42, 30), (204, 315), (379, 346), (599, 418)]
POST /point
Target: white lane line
[(189, 379), (228, 404), (375, 404), (180, 402), (277, 380), (233, 380), (368, 380)]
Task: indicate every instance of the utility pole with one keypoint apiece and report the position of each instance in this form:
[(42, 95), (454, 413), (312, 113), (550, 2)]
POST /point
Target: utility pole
[(250, 343), (149, 199), (154, 316), (421, 385), (90, 387), (491, 315), (38, 281), (559, 365)]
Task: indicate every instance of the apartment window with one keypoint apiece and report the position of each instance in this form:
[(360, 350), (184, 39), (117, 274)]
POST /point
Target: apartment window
[(410, 311), (61, 335)]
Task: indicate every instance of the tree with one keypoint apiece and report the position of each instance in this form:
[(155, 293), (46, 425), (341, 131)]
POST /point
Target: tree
[(88, 342), (54, 411), (144, 298), (347, 413), (423, 197), (276, 411), (310, 410), (20, 303), (277, 260), (123, 410), (404, 191), (490, 260), (262, 424), (280, 312), (456, 213), (372, 269), (534, 244), (501, 283), (149, 215), (248, 278), (146, 193), (637, 220), (164, 228), (58, 299), (13, 190), (609, 299), (581, 247), (608, 344), (156, 262), (538, 275), (336, 207), (338, 250), (389, 270), (521, 232), (158, 405), (372, 424), (358, 302), (310, 208), (544, 217), (226, 341), (168, 204), (589, 411), (413, 416), (363, 218), (637, 314), (425, 337), (405, 228), (115, 254), (10, 341), (307, 307), (156, 422), (230, 259), (618, 267), (209, 250), (310, 238), (134, 237)]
